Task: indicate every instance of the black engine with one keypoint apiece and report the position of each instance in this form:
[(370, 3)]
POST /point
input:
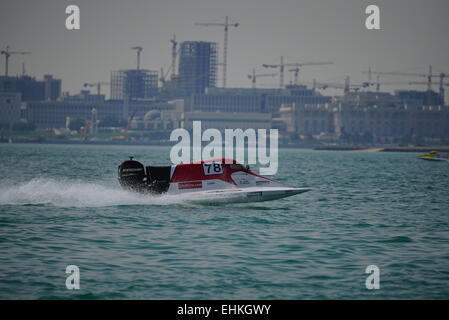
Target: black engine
[(133, 176)]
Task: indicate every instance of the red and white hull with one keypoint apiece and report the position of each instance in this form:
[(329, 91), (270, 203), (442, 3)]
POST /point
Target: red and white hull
[(215, 180), (244, 195)]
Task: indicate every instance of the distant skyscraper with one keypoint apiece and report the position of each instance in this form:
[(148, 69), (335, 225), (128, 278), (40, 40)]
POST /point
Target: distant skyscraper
[(197, 66), (139, 84)]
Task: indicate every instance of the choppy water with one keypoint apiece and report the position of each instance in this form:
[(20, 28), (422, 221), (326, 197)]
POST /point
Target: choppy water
[(61, 205)]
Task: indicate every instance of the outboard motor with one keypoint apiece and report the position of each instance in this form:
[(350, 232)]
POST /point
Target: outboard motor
[(131, 175), (158, 178)]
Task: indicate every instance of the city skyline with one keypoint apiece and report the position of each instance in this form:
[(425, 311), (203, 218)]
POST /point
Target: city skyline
[(410, 38)]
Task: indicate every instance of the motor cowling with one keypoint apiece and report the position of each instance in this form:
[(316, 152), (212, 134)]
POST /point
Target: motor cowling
[(131, 175)]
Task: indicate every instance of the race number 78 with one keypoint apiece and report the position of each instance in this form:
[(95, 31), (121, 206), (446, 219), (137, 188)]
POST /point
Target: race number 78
[(212, 168)]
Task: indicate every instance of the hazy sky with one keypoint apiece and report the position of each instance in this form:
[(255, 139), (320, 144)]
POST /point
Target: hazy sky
[(414, 34)]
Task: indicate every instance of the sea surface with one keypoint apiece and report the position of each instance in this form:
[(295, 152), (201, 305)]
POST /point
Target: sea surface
[(61, 205)]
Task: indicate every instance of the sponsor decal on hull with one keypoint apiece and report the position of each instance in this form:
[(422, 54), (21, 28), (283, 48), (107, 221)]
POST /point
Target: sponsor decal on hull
[(190, 185), (254, 194)]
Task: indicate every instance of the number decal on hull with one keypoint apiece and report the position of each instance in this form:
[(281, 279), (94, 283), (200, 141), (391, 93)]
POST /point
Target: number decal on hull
[(212, 168)]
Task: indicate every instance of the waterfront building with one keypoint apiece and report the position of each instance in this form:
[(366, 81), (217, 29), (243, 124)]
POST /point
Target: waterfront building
[(254, 100), (426, 98), (307, 119), (358, 124), (49, 115), (48, 89), (226, 120), (167, 120), (10, 109), (84, 96), (157, 120)]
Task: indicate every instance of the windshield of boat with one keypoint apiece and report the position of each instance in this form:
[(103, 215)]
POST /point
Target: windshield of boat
[(236, 166)]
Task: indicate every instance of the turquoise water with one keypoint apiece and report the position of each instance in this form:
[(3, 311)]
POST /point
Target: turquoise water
[(61, 205)]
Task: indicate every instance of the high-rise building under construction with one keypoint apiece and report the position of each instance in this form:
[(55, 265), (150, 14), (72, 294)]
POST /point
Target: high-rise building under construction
[(197, 66), (136, 83)]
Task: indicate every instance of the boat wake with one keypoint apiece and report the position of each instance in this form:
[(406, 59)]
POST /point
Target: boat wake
[(70, 193)]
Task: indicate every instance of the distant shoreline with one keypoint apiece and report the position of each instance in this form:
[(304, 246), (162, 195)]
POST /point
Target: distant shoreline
[(285, 146), (387, 149)]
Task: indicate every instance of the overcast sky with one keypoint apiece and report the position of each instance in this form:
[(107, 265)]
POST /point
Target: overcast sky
[(414, 34)]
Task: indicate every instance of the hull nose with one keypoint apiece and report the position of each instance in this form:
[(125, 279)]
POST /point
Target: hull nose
[(279, 194), (298, 191)]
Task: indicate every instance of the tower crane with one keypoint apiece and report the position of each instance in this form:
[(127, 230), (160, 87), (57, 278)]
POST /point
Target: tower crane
[(85, 130), (297, 66), (162, 77), (138, 51), (173, 56), (96, 84), (23, 69), (410, 83), (124, 137), (295, 74), (346, 86), (226, 26), (128, 124), (254, 76), (429, 77), (23, 63), (423, 83), (7, 54), (172, 67)]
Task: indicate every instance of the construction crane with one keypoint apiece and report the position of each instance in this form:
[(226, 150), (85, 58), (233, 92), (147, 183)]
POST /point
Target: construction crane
[(410, 83), (429, 77), (89, 126), (346, 86), (297, 68), (138, 50), (96, 84), (85, 132), (296, 73), (23, 69), (172, 68), (162, 78), (23, 64), (254, 76), (7, 54), (129, 124), (423, 83), (226, 25), (173, 56), (407, 74), (126, 129), (297, 65)]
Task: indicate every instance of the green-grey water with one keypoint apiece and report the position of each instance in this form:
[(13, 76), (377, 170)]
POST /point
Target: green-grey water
[(61, 205)]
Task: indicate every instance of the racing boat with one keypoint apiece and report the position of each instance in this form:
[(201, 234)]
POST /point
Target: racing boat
[(214, 180), (434, 156)]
